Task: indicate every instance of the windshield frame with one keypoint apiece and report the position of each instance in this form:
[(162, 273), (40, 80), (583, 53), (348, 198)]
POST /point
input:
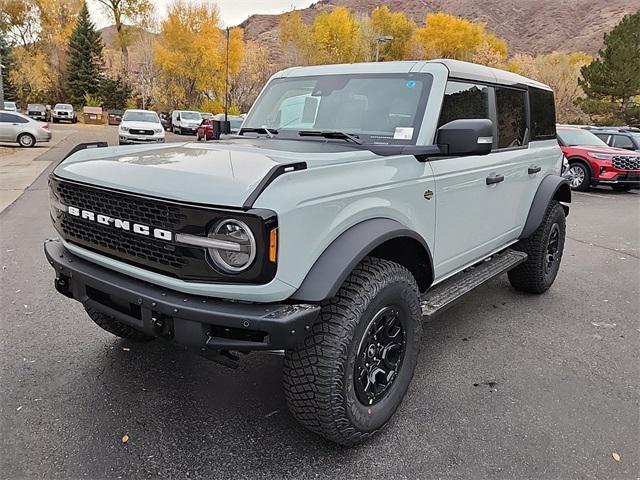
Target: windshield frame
[(582, 131), (365, 138), (137, 112)]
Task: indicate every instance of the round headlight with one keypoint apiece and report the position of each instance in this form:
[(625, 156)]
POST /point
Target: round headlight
[(241, 251)]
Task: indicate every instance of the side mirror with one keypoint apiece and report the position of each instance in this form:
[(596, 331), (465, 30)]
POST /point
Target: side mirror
[(466, 137)]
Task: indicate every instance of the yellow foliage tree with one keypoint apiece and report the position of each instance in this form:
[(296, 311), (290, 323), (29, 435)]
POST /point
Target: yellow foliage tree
[(334, 36), (190, 54), (395, 24), (31, 75), (295, 39), (446, 36)]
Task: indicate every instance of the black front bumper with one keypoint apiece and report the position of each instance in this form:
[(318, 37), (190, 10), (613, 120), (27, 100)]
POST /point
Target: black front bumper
[(190, 320)]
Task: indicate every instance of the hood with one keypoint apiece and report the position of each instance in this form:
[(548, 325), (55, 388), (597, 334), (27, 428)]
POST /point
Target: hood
[(602, 149), (222, 174), (140, 125)]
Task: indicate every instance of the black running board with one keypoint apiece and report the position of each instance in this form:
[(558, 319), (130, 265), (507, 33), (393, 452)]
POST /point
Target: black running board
[(449, 292)]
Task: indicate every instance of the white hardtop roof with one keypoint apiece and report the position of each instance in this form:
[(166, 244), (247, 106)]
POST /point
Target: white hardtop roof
[(457, 69)]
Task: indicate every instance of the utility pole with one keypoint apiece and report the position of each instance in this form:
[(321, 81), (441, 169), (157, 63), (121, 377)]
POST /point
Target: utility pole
[(226, 81), (379, 40), (1, 85)]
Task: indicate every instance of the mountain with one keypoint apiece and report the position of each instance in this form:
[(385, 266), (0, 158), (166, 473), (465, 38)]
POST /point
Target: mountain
[(529, 26)]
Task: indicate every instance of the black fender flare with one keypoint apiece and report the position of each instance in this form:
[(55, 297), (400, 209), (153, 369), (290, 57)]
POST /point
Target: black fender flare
[(334, 265), (552, 187)]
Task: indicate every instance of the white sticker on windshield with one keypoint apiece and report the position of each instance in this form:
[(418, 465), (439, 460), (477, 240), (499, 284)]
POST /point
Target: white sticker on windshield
[(403, 133)]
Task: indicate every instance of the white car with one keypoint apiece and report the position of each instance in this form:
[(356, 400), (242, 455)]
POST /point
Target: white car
[(10, 106), (21, 129), (140, 126)]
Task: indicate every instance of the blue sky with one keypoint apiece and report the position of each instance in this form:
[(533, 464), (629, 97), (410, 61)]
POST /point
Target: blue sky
[(232, 11)]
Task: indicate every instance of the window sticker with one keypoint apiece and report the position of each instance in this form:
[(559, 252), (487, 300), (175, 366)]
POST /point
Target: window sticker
[(403, 133), (410, 83)]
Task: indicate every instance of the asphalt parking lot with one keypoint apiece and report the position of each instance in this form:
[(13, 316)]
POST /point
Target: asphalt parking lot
[(507, 386)]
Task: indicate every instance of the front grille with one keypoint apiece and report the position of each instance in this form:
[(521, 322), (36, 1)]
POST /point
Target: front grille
[(626, 162), (165, 257), (136, 131)]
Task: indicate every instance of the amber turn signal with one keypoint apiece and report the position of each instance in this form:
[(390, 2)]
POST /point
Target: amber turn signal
[(273, 245)]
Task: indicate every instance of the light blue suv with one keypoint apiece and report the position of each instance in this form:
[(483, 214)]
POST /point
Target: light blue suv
[(355, 201)]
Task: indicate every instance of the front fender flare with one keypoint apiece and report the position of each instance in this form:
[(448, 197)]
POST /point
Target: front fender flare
[(552, 187), (335, 264)]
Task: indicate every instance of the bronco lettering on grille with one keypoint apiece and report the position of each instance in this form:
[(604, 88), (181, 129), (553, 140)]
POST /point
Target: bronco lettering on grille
[(126, 225)]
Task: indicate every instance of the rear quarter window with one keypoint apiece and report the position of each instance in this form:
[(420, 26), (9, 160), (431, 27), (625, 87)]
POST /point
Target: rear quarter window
[(543, 114)]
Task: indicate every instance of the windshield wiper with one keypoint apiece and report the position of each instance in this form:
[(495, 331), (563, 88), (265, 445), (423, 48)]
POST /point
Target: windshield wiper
[(330, 134), (270, 132)]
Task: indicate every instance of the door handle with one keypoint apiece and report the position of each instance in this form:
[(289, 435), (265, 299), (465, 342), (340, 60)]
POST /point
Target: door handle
[(534, 169), (495, 179)]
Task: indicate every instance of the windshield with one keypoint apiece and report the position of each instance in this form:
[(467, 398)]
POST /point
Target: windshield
[(9, 104), (36, 107), (63, 106), (130, 116), (579, 137), (377, 108), (190, 116)]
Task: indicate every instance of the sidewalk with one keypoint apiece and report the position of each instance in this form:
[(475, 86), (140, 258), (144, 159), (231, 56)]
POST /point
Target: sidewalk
[(19, 167)]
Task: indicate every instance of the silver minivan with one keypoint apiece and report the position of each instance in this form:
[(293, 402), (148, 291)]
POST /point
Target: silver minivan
[(18, 128)]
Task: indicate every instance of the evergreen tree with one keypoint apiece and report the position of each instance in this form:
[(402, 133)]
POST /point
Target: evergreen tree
[(613, 79), (85, 59), (6, 59), (115, 93)]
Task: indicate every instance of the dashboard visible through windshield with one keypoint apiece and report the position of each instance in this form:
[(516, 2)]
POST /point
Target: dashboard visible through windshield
[(373, 108)]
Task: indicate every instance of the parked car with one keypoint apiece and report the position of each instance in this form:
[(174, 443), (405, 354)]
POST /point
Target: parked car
[(10, 106), (140, 126), (38, 111), (64, 112), (619, 137), (206, 116), (165, 120), (592, 162), (206, 130), (18, 128), (185, 122), (329, 228)]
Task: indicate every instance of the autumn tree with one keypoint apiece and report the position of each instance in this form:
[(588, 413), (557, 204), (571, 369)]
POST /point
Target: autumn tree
[(85, 59), (561, 72), (254, 72), (135, 12), (334, 36), (115, 92), (611, 80), (396, 25), (295, 39), (190, 54), (19, 22), (7, 59), (446, 36)]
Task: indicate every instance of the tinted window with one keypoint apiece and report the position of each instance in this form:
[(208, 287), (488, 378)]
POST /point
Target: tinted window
[(602, 136), (622, 141), (511, 113), (464, 100), (543, 114), (10, 118)]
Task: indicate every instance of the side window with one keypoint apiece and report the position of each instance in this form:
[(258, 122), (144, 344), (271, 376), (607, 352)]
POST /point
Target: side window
[(4, 117), (622, 141), (543, 114), (604, 137), (511, 113), (9, 118), (464, 100)]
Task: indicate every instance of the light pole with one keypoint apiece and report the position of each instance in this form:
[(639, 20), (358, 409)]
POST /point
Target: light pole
[(226, 81), (379, 40)]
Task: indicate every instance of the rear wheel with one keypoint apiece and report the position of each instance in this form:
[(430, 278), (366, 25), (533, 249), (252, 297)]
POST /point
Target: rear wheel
[(117, 328), (352, 372), (26, 140), (579, 176), (544, 249)]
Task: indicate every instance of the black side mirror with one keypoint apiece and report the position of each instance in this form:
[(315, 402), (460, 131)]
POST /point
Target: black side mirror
[(466, 137)]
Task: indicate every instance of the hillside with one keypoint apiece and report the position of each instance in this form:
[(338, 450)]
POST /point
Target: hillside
[(529, 26)]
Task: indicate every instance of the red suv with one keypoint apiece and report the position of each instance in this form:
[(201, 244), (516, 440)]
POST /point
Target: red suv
[(592, 162)]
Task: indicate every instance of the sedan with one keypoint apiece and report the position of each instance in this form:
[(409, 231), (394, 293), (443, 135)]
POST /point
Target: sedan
[(140, 126), (19, 128)]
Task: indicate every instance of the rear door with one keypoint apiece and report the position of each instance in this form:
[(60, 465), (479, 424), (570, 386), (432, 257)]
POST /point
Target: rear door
[(476, 208)]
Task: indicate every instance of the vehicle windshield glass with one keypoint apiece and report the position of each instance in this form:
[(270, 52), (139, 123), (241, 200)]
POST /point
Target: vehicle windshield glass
[(9, 104), (140, 117), (190, 116), (63, 106), (377, 108), (36, 107), (579, 137)]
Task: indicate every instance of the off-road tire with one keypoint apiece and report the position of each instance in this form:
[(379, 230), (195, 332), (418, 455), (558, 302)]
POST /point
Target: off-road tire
[(26, 140), (532, 276), (117, 328), (318, 376)]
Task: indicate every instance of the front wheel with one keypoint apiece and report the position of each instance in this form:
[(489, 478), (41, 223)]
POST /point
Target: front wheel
[(579, 176), (544, 249), (26, 140), (352, 372)]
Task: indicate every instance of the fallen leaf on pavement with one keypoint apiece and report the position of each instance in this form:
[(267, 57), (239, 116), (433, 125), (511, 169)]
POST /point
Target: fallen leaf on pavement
[(125, 438), (616, 456)]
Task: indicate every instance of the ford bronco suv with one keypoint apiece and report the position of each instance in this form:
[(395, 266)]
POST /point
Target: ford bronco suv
[(356, 201)]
